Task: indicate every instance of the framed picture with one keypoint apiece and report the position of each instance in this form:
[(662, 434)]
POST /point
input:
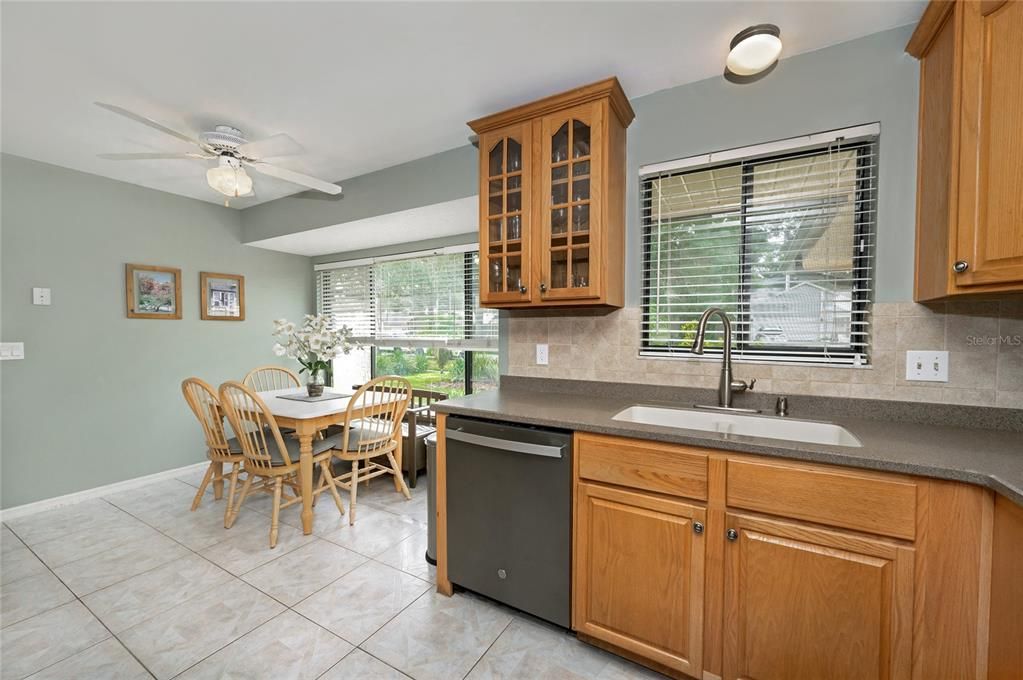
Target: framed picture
[(223, 296), (152, 292)]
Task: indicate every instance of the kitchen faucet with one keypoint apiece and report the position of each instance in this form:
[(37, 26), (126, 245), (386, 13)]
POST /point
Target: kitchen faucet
[(726, 386)]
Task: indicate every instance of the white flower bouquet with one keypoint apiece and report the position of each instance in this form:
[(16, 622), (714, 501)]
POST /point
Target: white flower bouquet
[(313, 345)]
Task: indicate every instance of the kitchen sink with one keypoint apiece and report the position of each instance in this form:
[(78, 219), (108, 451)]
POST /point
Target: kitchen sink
[(747, 425)]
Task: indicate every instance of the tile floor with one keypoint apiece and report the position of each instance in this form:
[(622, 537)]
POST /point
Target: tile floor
[(134, 585)]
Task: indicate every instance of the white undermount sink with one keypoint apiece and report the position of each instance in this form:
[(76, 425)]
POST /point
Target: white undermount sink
[(747, 425)]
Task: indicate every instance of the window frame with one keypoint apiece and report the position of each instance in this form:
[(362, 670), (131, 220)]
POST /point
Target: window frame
[(862, 269)]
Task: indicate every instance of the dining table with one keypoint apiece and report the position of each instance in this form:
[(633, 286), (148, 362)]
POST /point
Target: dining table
[(308, 419)]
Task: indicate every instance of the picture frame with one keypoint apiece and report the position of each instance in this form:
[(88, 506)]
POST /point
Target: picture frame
[(152, 292), (221, 296)]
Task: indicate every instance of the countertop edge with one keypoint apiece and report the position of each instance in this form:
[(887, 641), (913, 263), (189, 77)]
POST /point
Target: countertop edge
[(748, 445)]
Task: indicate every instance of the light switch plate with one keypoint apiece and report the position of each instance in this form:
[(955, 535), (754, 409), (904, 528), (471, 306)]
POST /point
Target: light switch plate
[(12, 350), (40, 296), (929, 366), (541, 354)]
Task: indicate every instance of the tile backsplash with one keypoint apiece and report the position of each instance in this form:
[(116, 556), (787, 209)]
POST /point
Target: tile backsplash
[(984, 339)]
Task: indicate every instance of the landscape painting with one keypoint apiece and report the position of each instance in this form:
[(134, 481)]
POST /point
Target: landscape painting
[(223, 296), (153, 292)]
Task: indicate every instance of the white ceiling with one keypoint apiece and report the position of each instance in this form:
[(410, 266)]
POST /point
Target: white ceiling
[(361, 85), (406, 226)]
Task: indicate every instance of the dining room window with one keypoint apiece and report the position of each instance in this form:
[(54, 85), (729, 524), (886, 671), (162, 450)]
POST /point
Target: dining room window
[(779, 236), (416, 315)]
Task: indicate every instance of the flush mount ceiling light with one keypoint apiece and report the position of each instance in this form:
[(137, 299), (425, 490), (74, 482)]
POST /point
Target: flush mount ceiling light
[(229, 178), (753, 52)]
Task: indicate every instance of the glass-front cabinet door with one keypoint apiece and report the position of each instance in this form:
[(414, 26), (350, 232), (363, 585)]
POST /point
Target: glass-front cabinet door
[(505, 215), (569, 252)]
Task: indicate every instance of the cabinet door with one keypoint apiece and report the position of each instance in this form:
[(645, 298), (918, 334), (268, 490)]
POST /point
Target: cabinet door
[(638, 574), (802, 602), (505, 216), (571, 161), (990, 224)]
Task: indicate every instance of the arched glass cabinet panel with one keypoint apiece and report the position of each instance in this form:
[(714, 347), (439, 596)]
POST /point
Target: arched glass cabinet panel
[(504, 243)]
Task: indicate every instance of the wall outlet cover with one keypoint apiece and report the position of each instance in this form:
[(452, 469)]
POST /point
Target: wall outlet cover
[(928, 366), (12, 350), (541, 354), (40, 296)]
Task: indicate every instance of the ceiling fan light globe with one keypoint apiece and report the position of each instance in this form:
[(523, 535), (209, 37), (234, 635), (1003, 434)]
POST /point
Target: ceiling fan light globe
[(753, 54), (229, 181)]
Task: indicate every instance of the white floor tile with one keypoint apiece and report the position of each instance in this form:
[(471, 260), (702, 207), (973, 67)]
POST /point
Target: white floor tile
[(303, 571), (373, 535), (94, 514), (8, 541), (33, 644), (180, 637), (106, 660), (82, 544), (27, 597), (359, 665), (88, 575), (287, 647), (20, 563), (410, 557), (246, 548), (438, 637), (528, 649), (147, 595), (358, 603)]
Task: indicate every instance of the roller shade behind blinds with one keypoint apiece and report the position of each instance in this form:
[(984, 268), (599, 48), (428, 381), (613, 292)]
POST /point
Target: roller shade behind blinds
[(416, 301), (782, 243)]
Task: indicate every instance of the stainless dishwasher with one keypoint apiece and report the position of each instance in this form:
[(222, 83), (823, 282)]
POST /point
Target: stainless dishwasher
[(509, 509)]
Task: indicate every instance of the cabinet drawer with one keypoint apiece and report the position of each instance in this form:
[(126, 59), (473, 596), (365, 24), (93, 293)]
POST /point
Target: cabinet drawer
[(662, 468), (839, 498)]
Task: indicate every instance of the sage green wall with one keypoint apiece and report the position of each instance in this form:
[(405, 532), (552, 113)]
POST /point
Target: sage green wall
[(97, 399), (867, 80), (441, 177)]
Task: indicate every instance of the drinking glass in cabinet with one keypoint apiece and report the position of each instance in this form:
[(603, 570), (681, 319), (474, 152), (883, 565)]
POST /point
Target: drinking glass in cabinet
[(495, 229), (514, 156), (497, 159), (514, 227), (559, 220), (581, 217)]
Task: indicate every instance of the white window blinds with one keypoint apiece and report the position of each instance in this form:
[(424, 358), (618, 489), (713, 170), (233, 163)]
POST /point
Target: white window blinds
[(782, 241), (419, 300)]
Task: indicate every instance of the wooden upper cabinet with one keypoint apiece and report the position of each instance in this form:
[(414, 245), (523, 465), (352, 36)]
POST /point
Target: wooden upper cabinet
[(552, 228), (970, 165), (802, 602)]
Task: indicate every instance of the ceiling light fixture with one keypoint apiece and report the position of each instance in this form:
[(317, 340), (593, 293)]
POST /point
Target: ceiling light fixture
[(753, 51), (229, 178)]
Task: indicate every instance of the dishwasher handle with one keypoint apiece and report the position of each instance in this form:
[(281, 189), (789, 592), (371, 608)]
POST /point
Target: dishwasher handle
[(506, 444)]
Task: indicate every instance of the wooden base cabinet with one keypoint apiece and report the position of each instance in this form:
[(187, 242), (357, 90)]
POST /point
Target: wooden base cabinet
[(716, 565), (969, 236), (638, 574), (803, 602)]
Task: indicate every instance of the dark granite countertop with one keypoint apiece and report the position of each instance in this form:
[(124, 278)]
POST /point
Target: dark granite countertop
[(989, 457)]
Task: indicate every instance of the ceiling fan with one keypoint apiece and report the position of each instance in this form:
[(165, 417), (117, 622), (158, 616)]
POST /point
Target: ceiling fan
[(233, 154)]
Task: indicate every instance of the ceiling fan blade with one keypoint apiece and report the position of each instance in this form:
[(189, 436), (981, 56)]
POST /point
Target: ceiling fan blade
[(148, 122), (271, 147), (295, 177), (154, 156)]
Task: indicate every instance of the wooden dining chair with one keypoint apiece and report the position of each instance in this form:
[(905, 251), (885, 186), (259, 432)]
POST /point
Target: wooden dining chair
[(265, 378), (271, 460), (219, 448), (372, 428)]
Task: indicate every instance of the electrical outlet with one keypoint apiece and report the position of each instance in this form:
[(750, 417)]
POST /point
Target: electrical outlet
[(12, 350), (40, 296), (541, 354), (929, 366)]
